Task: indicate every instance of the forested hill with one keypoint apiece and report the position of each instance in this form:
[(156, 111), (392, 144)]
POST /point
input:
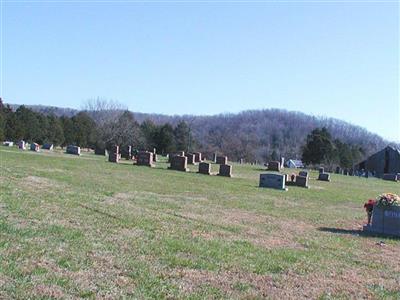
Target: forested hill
[(254, 134)]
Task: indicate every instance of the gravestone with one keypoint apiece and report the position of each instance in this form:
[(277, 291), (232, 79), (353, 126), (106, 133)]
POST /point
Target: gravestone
[(178, 163), (324, 177), (241, 161), (274, 181), (114, 156), (274, 166), (48, 146), (346, 172), (191, 160), (302, 181), (22, 145), (145, 158), (34, 147), (75, 150), (282, 162), (214, 157), (225, 170), (390, 177), (222, 160), (198, 157), (337, 170), (321, 170), (8, 144), (385, 220), (126, 152), (205, 168), (303, 173), (351, 172)]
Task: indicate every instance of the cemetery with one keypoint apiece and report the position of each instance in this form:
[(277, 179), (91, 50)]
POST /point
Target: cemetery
[(260, 225)]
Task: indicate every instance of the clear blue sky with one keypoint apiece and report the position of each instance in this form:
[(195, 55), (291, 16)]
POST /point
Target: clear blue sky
[(338, 59)]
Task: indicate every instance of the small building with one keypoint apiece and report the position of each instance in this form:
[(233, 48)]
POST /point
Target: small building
[(294, 164), (386, 161)]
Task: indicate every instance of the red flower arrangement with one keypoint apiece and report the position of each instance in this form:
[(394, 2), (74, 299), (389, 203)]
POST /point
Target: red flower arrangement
[(388, 199)]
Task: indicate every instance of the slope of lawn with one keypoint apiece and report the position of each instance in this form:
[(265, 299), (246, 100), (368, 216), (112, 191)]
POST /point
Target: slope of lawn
[(80, 227)]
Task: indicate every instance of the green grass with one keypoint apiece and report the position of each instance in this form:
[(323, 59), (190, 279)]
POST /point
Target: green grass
[(80, 227)]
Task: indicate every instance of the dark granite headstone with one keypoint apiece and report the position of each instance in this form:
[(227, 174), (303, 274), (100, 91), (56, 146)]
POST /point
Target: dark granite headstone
[(385, 220), (302, 181), (274, 166), (222, 160), (75, 150), (303, 173), (191, 159), (324, 177), (275, 181), (205, 168), (321, 170), (179, 163), (225, 170), (198, 157)]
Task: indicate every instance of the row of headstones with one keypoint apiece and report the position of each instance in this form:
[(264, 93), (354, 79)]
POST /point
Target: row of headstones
[(178, 161), (22, 145), (279, 181)]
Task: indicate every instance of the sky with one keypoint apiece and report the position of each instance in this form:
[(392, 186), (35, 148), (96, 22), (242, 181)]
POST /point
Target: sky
[(328, 58)]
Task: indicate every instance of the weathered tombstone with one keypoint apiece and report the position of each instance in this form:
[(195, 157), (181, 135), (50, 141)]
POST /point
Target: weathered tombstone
[(191, 160), (302, 181), (390, 177), (179, 163), (198, 157), (324, 177), (34, 147), (145, 158), (48, 146), (321, 170), (114, 155), (222, 160), (274, 166), (205, 168), (303, 173), (275, 181), (22, 145), (385, 220), (75, 150), (225, 170)]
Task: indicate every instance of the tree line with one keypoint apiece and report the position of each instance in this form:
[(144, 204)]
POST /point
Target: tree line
[(82, 130)]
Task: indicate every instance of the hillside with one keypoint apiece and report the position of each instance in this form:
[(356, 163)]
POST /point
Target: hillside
[(253, 134), (80, 227)]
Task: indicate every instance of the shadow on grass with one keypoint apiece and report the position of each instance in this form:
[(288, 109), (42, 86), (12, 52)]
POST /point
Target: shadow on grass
[(357, 232)]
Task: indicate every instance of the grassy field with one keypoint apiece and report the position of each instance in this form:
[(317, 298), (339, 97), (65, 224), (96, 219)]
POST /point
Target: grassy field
[(80, 227)]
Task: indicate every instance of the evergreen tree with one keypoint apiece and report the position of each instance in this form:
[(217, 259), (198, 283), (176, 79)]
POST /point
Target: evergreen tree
[(68, 130), (85, 130), (318, 148), (165, 140), (182, 136)]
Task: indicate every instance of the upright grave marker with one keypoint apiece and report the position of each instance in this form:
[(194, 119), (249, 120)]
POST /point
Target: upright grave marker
[(274, 166), (225, 170), (222, 160), (390, 177), (113, 156), (191, 159), (21, 145), (274, 181), (205, 168), (198, 157), (302, 181), (145, 158), (75, 150), (324, 177), (179, 163)]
